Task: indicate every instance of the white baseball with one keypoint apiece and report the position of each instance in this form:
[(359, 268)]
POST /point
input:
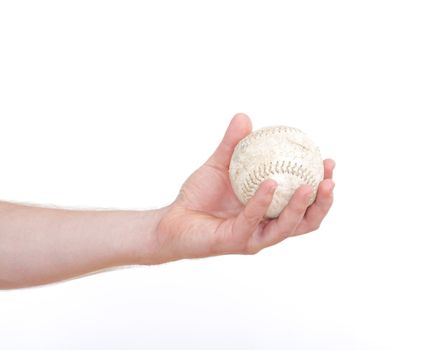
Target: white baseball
[(281, 153)]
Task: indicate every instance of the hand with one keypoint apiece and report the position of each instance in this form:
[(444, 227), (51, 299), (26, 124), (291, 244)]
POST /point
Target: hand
[(207, 219)]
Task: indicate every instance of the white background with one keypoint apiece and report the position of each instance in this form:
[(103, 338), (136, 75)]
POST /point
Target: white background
[(112, 104)]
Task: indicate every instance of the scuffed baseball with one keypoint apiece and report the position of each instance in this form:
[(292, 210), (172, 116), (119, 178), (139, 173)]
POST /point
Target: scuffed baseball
[(281, 153)]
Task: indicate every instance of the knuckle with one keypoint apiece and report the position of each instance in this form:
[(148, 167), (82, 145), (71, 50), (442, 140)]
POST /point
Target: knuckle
[(251, 250), (260, 200), (248, 217), (264, 199), (315, 226)]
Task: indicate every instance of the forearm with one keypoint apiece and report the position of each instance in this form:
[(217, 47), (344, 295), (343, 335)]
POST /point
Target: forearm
[(44, 245)]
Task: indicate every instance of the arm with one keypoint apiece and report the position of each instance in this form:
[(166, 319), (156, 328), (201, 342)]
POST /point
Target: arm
[(43, 245)]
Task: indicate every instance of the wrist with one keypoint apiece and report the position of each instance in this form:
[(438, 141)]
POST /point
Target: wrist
[(146, 250)]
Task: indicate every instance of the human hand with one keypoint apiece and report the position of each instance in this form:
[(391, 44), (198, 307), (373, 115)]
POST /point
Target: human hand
[(207, 219), (43, 245)]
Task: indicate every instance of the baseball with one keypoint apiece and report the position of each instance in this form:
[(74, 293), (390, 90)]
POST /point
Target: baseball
[(281, 153)]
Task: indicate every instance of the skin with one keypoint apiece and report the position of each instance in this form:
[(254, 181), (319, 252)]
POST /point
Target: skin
[(44, 245)]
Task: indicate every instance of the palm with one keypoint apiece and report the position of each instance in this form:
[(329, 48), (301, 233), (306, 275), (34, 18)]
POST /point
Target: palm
[(209, 191), (201, 214), (208, 219)]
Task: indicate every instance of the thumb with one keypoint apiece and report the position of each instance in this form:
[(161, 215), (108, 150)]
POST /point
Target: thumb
[(239, 127)]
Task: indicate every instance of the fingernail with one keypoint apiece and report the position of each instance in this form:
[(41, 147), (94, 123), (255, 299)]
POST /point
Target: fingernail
[(309, 198), (305, 190), (272, 185)]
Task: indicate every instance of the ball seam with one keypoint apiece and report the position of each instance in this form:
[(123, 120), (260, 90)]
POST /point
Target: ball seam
[(265, 170), (268, 132)]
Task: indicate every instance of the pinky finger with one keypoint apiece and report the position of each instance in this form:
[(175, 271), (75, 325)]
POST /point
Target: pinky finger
[(329, 165), (318, 210)]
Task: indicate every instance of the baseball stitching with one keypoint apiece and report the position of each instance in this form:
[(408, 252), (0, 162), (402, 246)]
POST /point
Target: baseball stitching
[(267, 131), (258, 175)]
